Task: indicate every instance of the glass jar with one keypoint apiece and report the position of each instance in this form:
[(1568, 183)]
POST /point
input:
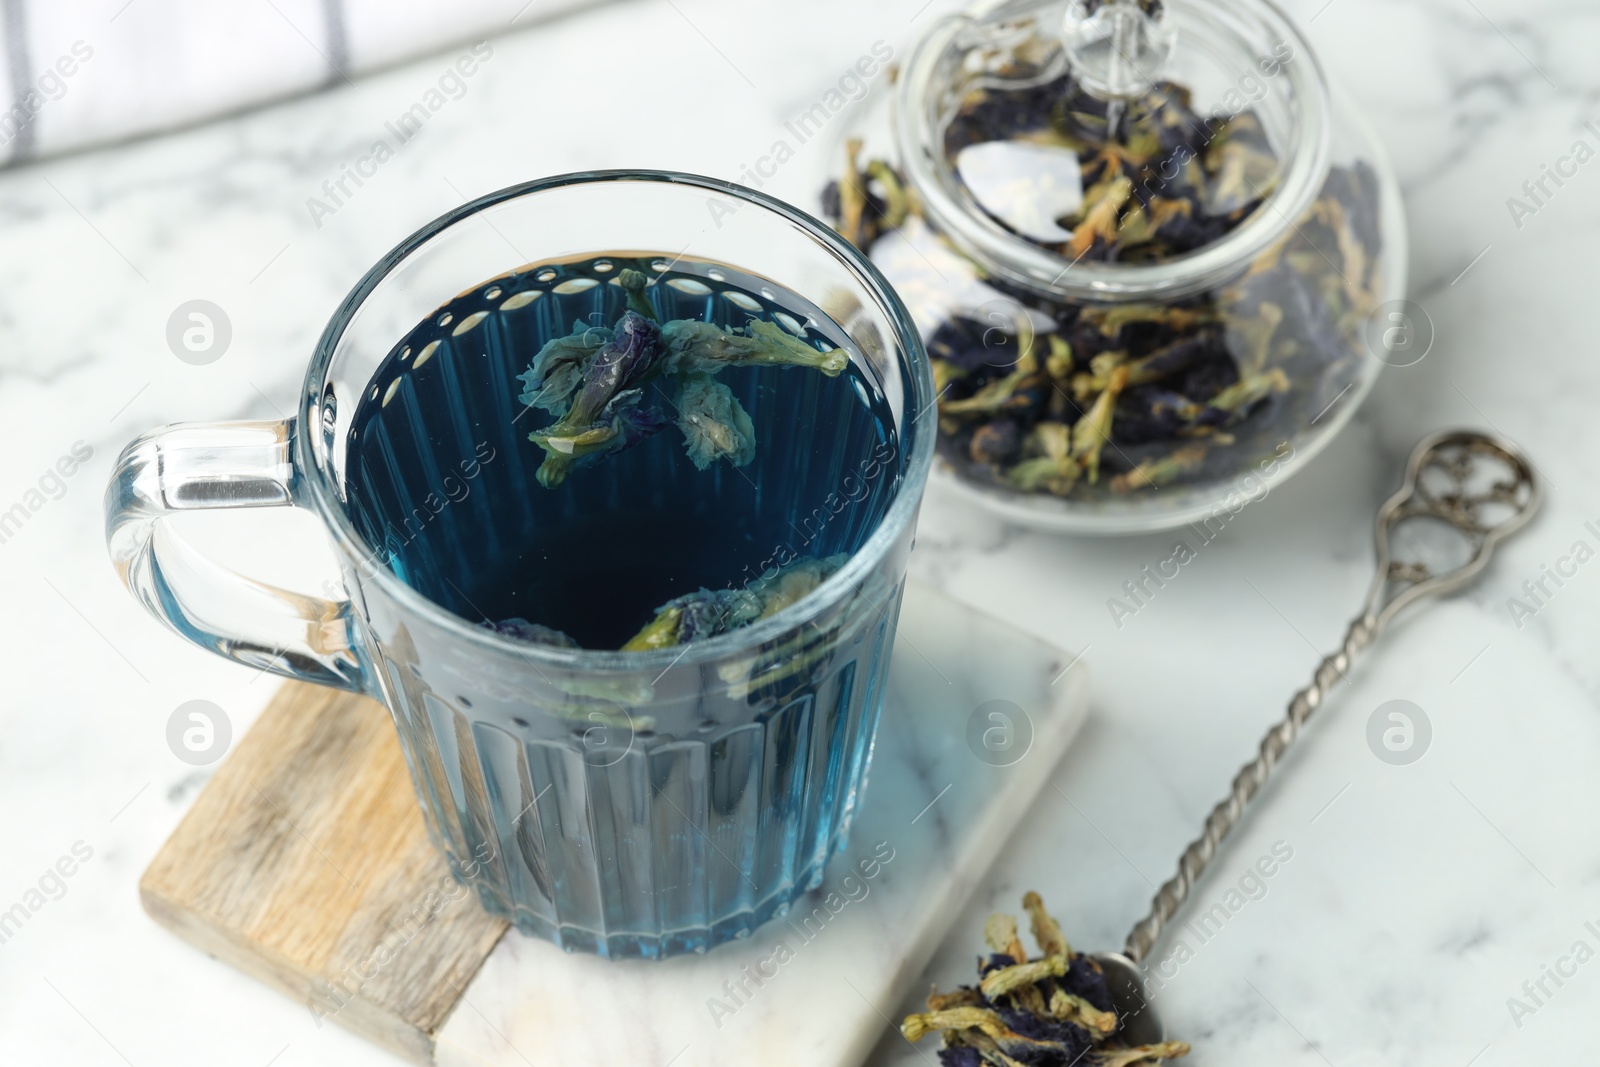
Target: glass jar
[(1154, 255)]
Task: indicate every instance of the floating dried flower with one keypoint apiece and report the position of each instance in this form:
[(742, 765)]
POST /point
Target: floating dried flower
[(710, 612), (634, 283), (592, 381), (519, 629), (714, 424)]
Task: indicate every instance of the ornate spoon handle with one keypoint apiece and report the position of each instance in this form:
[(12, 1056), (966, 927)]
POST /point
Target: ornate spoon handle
[(1246, 784), (1478, 485)]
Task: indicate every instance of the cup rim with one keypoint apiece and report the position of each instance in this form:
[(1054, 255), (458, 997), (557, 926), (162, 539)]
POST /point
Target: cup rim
[(323, 499)]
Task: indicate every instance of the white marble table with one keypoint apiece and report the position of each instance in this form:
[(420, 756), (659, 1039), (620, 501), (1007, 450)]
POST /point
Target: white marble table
[(1418, 899)]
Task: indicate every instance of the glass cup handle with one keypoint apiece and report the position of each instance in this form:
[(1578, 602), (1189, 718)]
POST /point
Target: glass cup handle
[(197, 466)]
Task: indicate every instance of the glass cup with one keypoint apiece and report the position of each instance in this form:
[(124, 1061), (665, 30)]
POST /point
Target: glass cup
[(627, 804)]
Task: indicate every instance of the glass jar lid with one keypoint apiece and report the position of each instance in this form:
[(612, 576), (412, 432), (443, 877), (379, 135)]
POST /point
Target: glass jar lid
[(1114, 150)]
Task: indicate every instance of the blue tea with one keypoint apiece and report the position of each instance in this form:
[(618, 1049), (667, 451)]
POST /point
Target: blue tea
[(669, 813)]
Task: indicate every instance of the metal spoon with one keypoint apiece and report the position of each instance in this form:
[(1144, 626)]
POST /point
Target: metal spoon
[(1449, 480)]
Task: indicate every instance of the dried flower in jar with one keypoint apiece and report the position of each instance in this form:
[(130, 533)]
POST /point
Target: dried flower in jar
[(1103, 400)]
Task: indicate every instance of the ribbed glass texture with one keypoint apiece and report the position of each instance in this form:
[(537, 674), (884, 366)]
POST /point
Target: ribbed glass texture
[(672, 825)]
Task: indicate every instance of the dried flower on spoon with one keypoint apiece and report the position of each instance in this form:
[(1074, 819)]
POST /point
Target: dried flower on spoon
[(1054, 1010)]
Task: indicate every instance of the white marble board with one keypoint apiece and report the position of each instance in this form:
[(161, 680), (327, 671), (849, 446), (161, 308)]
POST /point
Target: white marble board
[(809, 988)]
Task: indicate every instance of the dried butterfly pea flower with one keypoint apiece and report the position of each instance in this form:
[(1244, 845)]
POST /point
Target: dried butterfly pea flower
[(897, 203), (1102, 214), (592, 381), (1247, 392), (1069, 1007), (996, 442), (1046, 931), (1161, 364), (1209, 376), (695, 347), (1161, 173), (853, 202), (520, 629), (961, 1056), (1181, 227), (1153, 414), (1018, 390), (1051, 468), (1054, 1011), (964, 997), (1045, 475), (1113, 319), (603, 415), (1092, 431), (620, 425), (970, 345), (916, 1027), (707, 612), (1005, 116), (558, 368), (793, 583), (714, 424), (702, 614), (1161, 471), (1000, 934), (634, 283), (1167, 113), (861, 214), (1085, 979), (618, 365), (1004, 980), (1075, 113), (1049, 1039), (1059, 362), (1243, 164)]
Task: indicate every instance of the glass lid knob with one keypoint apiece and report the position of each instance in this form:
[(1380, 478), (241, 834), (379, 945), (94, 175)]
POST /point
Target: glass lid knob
[(1118, 49)]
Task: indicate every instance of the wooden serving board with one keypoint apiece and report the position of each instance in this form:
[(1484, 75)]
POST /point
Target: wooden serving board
[(305, 863)]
